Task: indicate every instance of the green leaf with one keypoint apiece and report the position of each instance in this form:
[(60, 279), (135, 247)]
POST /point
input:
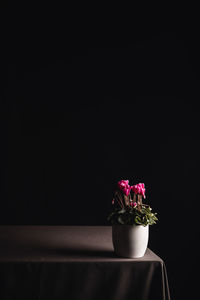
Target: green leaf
[(133, 215)]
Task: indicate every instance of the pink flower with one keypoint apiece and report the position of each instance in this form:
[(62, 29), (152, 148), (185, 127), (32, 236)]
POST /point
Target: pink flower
[(139, 189), (135, 188), (124, 186), (127, 190), (143, 192), (133, 204), (123, 183), (141, 184)]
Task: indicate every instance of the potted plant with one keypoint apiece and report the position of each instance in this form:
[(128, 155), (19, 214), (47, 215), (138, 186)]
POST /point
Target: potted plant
[(130, 220)]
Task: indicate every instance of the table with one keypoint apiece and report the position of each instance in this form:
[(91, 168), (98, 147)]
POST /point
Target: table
[(74, 262)]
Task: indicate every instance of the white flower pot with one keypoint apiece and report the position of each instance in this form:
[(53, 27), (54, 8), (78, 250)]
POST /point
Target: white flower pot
[(130, 240)]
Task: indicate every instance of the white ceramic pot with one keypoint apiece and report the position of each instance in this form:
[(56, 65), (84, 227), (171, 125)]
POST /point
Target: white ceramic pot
[(130, 240)]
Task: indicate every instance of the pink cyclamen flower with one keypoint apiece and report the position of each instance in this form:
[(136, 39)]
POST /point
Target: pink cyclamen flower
[(123, 183), (124, 186), (143, 193), (139, 189), (142, 189), (133, 204), (135, 188), (141, 184), (127, 190)]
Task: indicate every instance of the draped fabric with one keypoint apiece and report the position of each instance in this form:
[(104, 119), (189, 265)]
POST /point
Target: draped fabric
[(74, 262)]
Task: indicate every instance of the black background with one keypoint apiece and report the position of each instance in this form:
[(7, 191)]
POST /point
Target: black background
[(90, 102)]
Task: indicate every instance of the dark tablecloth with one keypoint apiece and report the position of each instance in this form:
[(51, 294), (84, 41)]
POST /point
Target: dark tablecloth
[(74, 262)]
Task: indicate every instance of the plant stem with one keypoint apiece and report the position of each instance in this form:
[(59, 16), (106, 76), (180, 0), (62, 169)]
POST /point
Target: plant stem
[(126, 200), (119, 199), (139, 201), (119, 202), (134, 197)]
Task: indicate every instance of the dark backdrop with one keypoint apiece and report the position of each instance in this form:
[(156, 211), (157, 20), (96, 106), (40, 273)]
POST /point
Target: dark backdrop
[(84, 108)]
